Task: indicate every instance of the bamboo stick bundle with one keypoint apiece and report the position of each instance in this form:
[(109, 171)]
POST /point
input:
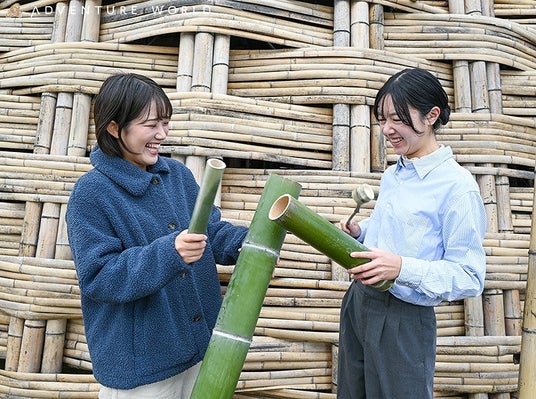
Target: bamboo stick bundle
[(77, 356), (521, 199), (450, 319), (492, 345), (32, 288), (11, 222), (291, 114), (228, 21), (4, 328), (25, 30), (322, 283), (257, 125), (284, 324), (299, 302), (285, 393), (36, 385), (304, 293), (313, 336), (316, 379), (347, 58), (286, 365), (264, 344), (76, 353), (103, 60), (273, 356), (474, 358), (329, 315), (186, 146), (207, 193), (297, 361), (235, 133), (473, 368)]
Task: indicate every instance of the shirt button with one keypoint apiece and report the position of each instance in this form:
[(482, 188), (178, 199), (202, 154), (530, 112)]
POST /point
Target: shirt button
[(197, 318), (155, 181)]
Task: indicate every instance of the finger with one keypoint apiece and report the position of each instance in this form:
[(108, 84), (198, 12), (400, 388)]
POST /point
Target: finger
[(194, 237), (362, 254)]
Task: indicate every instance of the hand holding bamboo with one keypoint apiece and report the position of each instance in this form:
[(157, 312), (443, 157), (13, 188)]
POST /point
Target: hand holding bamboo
[(320, 234)]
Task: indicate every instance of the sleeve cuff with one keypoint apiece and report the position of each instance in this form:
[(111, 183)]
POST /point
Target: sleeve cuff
[(409, 275)]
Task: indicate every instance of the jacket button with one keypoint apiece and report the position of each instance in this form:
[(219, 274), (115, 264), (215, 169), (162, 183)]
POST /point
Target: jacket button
[(172, 226), (197, 318), (155, 181)]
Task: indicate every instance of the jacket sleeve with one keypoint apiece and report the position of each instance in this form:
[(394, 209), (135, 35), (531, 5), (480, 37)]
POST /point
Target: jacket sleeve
[(108, 272), (226, 238)]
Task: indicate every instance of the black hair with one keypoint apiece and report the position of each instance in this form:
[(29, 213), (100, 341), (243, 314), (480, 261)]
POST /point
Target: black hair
[(123, 98), (417, 88)]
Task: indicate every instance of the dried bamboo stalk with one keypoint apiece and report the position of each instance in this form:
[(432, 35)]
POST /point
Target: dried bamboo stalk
[(527, 382)]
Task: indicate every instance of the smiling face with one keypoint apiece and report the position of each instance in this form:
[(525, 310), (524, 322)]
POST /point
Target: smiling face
[(142, 137), (412, 142)]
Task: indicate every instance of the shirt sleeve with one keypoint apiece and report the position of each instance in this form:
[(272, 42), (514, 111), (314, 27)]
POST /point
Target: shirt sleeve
[(363, 224), (461, 271)]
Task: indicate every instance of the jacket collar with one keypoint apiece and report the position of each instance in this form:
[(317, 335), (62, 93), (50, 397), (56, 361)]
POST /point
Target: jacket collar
[(126, 175)]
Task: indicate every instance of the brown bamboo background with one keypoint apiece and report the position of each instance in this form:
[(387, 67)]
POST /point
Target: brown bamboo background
[(271, 86)]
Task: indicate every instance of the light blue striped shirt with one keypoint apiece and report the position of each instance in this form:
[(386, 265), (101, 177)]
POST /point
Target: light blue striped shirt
[(430, 212)]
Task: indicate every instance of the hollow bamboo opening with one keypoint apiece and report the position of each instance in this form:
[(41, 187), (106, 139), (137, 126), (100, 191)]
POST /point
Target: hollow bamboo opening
[(216, 163), (279, 207)]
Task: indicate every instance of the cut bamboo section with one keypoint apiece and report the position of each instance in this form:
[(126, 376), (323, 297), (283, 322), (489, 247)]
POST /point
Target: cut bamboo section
[(231, 337), (320, 234), (204, 203)]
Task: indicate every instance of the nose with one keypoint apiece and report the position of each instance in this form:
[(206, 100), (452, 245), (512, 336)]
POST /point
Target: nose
[(387, 128), (162, 131)]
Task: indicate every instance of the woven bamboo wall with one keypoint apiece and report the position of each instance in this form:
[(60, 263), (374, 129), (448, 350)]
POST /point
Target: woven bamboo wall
[(279, 86)]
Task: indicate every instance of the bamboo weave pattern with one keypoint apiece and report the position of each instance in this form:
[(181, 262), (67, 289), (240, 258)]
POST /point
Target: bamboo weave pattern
[(279, 86)]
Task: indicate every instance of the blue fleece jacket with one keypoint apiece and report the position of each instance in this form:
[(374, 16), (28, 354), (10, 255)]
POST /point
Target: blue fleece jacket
[(147, 314)]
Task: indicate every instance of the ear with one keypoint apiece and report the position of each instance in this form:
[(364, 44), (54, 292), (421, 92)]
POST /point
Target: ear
[(113, 129), (433, 114)]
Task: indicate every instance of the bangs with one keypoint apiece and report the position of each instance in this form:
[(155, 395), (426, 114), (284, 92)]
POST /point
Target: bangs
[(163, 106), (160, 102)]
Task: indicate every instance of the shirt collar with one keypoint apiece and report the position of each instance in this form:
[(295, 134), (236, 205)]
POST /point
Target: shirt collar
[(426, 164)]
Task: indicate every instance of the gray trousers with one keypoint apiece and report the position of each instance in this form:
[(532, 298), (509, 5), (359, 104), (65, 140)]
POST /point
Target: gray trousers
[(387, 347)]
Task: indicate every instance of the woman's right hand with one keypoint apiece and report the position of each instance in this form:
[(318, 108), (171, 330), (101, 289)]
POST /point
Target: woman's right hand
[(190, 246), (352, 229)]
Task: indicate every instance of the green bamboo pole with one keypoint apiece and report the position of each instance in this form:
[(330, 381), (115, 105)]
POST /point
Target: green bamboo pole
[(320, 234), (207, 193), (527, 367), (242, 303)]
